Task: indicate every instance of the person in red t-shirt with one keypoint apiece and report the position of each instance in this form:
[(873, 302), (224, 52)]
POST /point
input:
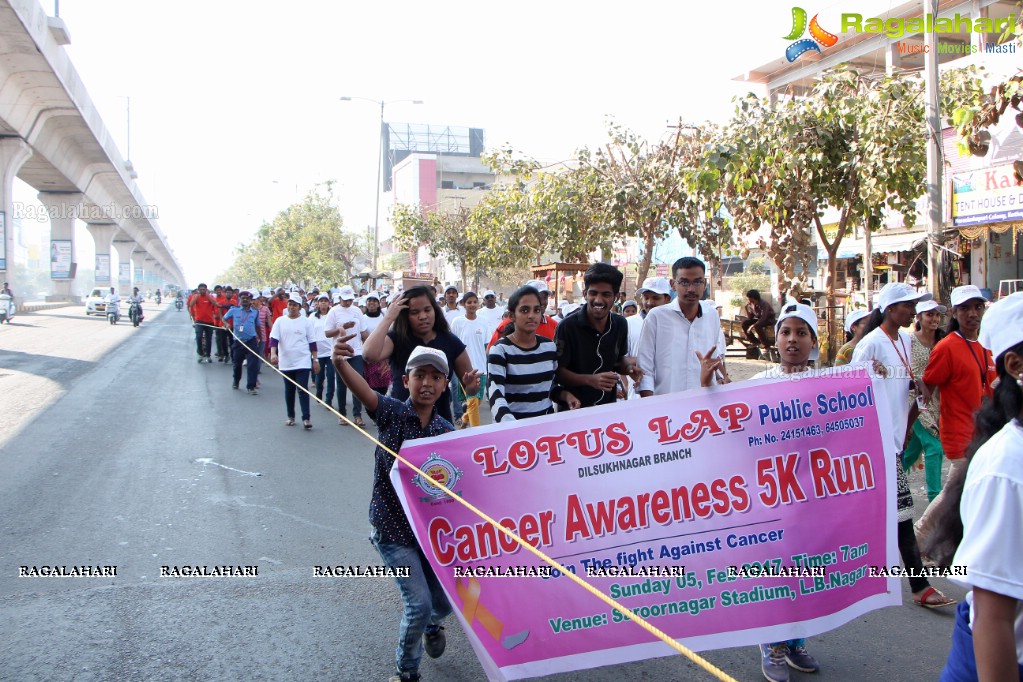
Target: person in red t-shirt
[(963, 371), (202, 308), (278, 305)]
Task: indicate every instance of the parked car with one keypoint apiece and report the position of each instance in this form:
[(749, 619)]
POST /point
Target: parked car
[(96, 302)]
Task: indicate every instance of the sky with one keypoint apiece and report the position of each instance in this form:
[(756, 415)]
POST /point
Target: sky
[(235, 109)]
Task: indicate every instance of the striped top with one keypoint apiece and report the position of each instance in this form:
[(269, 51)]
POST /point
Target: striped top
[(520, 381)]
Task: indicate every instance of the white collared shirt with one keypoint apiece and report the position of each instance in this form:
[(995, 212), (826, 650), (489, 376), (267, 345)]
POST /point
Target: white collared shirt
[(668, 345)]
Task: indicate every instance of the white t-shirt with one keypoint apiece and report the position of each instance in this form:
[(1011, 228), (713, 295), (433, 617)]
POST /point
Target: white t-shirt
[(992, 512), (668, 345), (369, 324), (492, 316), (474, 334), (450, 315), (339, 315), (323, 344), (877, 345), (294, 337), (635, 330)]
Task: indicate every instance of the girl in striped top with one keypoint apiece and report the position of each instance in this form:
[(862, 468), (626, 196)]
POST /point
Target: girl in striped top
[(522, 365)]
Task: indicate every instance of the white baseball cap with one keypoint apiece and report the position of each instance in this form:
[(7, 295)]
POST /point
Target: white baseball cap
[(268, 293), (489, 292), (373, 294), (539, 285), (424, 355), (296, 297), (1001, 328), (806, 314), (655, 285), (854, 317), (925, 306), (897, 292), (961, 295), (346, 294)]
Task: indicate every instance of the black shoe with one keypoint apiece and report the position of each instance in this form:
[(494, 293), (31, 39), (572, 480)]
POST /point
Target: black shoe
[(235, 386), (434, 642), (404, 677)]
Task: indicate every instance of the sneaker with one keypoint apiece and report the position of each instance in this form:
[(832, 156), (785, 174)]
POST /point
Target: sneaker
[(234, 386), (772, 662), (253, 391), (404, 677), (201, 359), (434, 642), (799, 659)]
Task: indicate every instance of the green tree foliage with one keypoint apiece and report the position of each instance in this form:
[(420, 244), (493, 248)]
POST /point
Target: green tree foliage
[(535, 213), (443, 233), (854, 143), (305, 243)]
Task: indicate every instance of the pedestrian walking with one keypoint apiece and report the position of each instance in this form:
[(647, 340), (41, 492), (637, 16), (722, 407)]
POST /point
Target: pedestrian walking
[(247, 329), (202, 308), (347, 316), (291, 345)]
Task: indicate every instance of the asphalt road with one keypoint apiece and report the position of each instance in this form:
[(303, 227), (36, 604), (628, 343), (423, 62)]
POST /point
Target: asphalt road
[(117, 448)]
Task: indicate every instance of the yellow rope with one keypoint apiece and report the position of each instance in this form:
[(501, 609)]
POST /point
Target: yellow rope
[(685, 651)]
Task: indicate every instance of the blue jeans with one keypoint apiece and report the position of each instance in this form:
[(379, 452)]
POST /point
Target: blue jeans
[(326, 378), (301, 376), (425, 604), (342, 390), (242, 350)]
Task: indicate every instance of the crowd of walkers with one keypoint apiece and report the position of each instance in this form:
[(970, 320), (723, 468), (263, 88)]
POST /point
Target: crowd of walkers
[(420, 362)]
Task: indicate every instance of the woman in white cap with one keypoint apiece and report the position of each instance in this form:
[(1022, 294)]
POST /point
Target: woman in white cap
[(987, 641), (890, 351), (924, 438), (795, 333), (963, 371), (855, 323), (292, 343)]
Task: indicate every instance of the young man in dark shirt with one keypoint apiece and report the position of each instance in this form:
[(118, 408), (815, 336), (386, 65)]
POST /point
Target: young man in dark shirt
[(593, 343)]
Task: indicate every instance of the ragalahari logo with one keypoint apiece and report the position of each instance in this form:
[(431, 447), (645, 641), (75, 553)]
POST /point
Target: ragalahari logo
[(818, 36)]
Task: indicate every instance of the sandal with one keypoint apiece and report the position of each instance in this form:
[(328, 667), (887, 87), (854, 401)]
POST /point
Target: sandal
[(341, 421), (932, 599), (290, 422), (306, 424), (358, 421)]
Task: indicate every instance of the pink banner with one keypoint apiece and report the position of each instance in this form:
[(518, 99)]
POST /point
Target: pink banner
[(744, 514)]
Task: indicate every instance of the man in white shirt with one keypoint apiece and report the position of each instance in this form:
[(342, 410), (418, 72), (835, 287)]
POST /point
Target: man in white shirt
[(474, 332), (451, 308), (344, 312), (490, 312), (673, 334)]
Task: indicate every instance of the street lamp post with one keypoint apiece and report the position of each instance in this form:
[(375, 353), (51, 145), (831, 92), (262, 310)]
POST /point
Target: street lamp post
[(380, 162)]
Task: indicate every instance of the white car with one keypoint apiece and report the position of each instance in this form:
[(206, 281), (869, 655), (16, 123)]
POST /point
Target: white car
[(96, 302)]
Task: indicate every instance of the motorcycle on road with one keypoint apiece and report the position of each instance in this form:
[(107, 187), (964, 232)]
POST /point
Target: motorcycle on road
[(7, 308), (113, 312), (135, 313)]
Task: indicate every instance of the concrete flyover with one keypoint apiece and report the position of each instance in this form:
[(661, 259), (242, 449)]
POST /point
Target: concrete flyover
[(52, 138)]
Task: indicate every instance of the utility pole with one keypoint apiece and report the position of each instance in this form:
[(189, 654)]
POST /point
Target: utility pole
[(932, 118)]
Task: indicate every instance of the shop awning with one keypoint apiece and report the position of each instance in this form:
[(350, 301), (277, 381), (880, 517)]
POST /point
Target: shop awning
[(879, 243)]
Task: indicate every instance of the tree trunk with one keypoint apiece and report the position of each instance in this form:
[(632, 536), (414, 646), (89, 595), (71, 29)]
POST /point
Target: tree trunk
[(644, 263)]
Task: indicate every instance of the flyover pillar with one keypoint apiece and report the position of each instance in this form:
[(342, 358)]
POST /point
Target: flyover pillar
[(124, 245), (14, 152), (102, 234), (63, 209), (138, 259)]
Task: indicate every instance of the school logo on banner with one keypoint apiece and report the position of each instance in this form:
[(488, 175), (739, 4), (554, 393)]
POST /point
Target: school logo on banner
[(438, 469)]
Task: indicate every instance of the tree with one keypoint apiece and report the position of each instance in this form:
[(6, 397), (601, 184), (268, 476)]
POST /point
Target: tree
[(443, 233), (533, 213), (304, 243), (854, 143)]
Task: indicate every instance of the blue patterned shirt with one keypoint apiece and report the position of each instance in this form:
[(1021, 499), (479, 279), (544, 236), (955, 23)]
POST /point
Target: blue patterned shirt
[(397, 422)]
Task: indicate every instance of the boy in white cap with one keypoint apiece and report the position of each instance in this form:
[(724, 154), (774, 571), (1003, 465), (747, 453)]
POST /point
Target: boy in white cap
[(889, 349), (490, 312), (425, 604)]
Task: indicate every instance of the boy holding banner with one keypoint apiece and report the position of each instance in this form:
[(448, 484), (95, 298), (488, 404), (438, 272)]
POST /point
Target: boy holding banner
[(425, 604)]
